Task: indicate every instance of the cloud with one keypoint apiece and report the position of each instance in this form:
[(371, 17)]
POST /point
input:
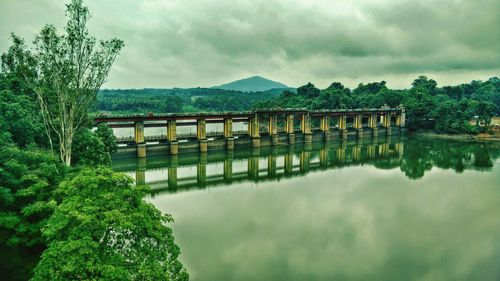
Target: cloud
[(200, 42)]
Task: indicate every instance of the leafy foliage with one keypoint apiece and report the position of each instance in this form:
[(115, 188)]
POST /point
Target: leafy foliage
[(28, 179), (104, 230), (449, 109)]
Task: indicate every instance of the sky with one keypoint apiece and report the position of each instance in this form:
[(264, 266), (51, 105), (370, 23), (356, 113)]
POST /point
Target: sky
[(190, 43)]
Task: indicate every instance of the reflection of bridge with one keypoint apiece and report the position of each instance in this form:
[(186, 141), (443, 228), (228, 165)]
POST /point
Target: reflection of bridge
[(262, 164), (281, 126)]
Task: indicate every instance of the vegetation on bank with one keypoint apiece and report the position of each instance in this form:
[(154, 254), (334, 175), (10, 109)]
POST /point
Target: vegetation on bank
[(448, 109), (179, 100), (58, 198), (464, 108)]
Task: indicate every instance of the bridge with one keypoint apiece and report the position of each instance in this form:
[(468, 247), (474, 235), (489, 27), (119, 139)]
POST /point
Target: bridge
[(265, 127)]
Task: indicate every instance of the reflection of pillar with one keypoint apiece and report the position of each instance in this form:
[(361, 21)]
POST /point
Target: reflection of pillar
[(371, 151), (140, 173), (358, 125), (228, 169), (228, 133), (271, 165), (201, 134), (253, 167), (305, 126), (273, 129), (325, 127), (383, 149), (139, 138), (399, 147), (172, 137), (341, 154), (356, 153), (323, 157), (253, 126), (290, 129), (343, 126), (201, 170), (172, 172), (288, 163), (305, 160)]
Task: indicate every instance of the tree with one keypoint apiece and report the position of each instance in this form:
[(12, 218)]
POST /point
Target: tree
[(104, 230), (70, 70), (28, 179), (89, 149)]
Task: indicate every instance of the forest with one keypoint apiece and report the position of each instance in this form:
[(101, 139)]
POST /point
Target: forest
[(179, 100)]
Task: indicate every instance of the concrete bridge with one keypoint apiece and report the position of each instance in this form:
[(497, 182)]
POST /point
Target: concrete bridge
[(266, 127)]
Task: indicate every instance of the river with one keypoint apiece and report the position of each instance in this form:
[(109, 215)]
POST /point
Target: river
[(401, 209)]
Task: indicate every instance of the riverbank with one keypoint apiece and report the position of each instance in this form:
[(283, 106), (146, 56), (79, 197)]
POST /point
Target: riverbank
[(467, 137)]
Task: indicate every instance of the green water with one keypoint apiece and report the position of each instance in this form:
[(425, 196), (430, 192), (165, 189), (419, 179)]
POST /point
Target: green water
[(404, 209)]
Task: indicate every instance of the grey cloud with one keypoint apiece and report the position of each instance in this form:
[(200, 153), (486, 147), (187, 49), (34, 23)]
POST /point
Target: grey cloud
[(204, 43)]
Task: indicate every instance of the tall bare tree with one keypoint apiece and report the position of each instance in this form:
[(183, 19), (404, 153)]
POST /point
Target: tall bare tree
[(70, 70)]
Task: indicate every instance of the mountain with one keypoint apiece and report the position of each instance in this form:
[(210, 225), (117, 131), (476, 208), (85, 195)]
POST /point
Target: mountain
[(252, 84)]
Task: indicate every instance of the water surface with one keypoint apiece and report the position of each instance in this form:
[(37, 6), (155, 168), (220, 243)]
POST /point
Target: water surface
[(402, 209)]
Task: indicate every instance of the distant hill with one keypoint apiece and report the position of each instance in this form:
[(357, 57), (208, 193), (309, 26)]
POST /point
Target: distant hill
[(252, 84)]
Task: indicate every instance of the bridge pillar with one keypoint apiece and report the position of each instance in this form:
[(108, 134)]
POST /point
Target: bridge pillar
[(172, 172), (172, 137), (201, 134), (372, 123), (289, 128), (139, 138), (273, 129), (343, 126), (253, 127), (387, 123), (305, 126), (325, 127), (358, 125), (228, 133)]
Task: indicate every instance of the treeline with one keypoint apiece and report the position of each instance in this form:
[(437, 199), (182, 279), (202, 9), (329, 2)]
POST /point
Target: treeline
[(465, 108), (70, 218), (178, 100)]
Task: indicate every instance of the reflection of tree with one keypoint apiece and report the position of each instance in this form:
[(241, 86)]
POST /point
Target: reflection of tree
[(386, 164), (422, 154)]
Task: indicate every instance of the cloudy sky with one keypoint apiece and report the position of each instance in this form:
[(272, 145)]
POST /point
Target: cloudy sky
[(188, 43)]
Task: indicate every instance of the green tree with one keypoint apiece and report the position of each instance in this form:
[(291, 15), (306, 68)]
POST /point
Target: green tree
[(105, 133), (70, 70), (104, 230), (90, 150)]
